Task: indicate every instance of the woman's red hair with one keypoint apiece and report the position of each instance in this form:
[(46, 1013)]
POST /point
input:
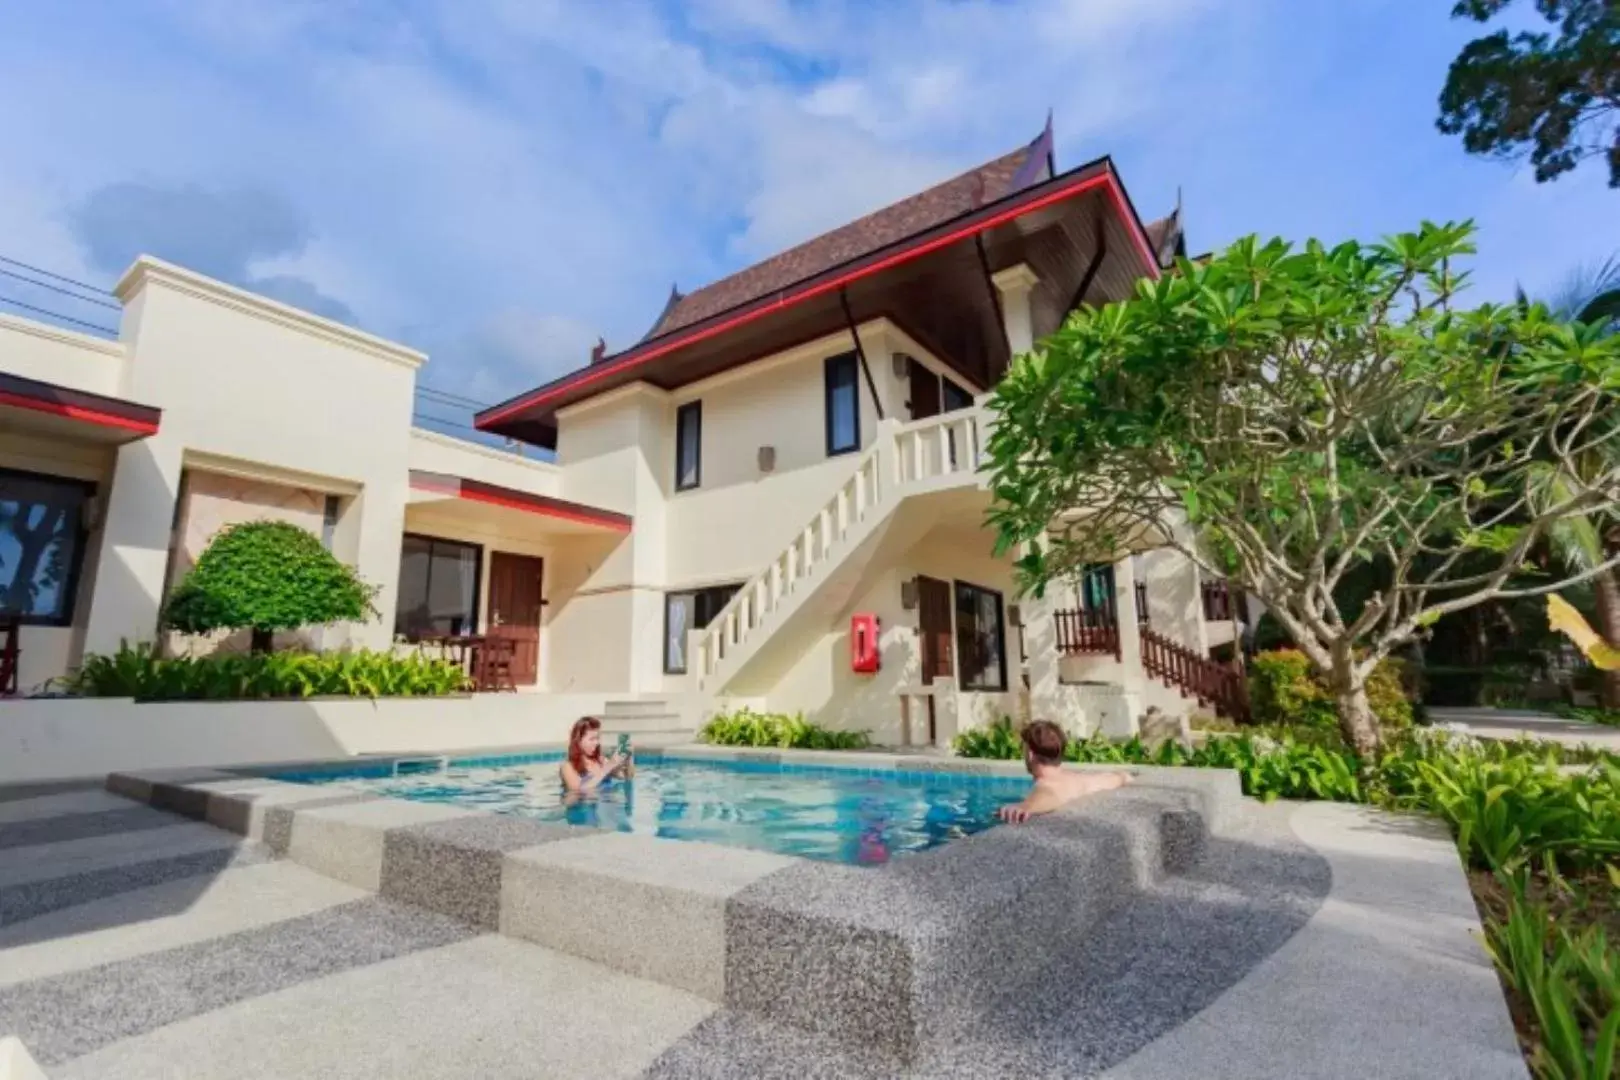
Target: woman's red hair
[(576, 755)]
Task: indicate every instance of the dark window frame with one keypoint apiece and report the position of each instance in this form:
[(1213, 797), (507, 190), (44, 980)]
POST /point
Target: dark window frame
[(81, 538), (698, 622), (477, 613), (958, 590), (331, 511), (831, 366), (693, 409)]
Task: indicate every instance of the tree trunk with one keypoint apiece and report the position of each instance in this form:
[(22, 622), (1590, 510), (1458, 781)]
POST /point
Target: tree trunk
[(1606, 587), (1357, 722), (261, 642)]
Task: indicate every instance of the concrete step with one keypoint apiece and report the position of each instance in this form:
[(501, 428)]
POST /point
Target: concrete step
[(638, 707), (667, 721)]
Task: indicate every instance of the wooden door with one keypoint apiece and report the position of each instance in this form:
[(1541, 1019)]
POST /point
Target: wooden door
[(514, 610), (934, 626), (924, 392)]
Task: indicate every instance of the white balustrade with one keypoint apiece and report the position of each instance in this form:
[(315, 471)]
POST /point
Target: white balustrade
[(901, 456)]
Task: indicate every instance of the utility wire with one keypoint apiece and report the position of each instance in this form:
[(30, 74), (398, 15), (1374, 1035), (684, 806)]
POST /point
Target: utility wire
[(450, 399), (443, 397), (57, 277), (59, 289), (58, 315)]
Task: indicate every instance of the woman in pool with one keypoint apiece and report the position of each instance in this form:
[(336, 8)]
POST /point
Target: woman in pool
[(585, 769)]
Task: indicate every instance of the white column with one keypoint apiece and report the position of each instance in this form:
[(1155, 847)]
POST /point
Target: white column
[(137, 522), (1130, 634), (1015, 284)]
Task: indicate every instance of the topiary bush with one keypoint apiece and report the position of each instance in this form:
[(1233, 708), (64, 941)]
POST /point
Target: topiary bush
[(265, 576)]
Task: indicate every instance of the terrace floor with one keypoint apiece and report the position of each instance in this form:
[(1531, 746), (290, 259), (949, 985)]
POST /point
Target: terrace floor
[(134, 943)]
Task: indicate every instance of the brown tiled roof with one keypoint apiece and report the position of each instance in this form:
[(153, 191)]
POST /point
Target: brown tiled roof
[(909, 216), (1163, 236)]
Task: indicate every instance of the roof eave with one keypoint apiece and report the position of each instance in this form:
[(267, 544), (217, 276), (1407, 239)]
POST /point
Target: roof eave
[(1068, 185)]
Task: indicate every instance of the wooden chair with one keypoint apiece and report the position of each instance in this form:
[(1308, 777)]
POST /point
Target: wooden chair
[(494, 665), (10, 653)]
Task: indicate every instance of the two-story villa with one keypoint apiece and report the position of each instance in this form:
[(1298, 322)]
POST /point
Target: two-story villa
[(772, 499)]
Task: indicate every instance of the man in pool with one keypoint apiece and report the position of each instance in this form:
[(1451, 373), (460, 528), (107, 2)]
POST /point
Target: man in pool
[(1054, 787)]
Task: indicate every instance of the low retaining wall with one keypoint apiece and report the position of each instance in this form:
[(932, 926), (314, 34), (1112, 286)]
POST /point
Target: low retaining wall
[(48, 739)]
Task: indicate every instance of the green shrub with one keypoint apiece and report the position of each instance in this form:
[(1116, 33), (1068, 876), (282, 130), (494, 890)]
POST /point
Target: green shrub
[(1272, 763), (998, 741), (744, 727), (1588, 715), (1285, 689), (266, 576), (1569, 982), (139, 672)]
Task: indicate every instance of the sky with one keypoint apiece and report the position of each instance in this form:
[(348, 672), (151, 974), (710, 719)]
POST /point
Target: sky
[(500, 182)]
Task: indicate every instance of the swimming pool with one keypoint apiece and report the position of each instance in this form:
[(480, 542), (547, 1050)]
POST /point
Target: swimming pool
[(835, 814)]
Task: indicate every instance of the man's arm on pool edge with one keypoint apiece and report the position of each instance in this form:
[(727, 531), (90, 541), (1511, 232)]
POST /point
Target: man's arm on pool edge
[(1045, 797)]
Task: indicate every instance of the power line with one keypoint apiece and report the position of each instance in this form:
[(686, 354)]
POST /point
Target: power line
[(448, 398), (58, 315), (58, 277), (57, 288)]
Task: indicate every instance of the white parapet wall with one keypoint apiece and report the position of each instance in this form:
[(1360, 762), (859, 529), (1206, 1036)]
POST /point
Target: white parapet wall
[(47, 739)]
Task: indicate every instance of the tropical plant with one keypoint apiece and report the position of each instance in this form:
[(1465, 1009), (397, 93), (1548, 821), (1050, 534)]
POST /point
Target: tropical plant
[(140, 672), (1555, 99), (745, 727), (1586, 542), (1569, 982), (1284, 417), (265, 576)]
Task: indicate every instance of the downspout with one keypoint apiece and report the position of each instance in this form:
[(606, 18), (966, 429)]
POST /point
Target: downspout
[(860, 353)]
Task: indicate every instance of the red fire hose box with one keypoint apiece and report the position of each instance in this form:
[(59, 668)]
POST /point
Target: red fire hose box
[(863, 642)]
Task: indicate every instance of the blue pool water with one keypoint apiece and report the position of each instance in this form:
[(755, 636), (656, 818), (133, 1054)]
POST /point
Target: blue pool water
[(840, 815)]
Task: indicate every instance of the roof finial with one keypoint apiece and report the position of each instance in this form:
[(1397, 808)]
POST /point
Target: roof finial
[(599, 351)]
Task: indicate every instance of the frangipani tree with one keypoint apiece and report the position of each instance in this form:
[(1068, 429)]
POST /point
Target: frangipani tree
[(1306, 412)]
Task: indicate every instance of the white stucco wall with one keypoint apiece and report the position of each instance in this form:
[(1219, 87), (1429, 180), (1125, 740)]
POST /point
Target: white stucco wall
[(822, 686), (43, 740), (77, 361), (436, 453), (323, 405)]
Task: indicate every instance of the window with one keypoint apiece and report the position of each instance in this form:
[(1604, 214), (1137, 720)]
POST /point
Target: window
[(438, 587), (329, 520), (981, 642), (41, 545), (687, 611), (955, 397), (843, 405), (688, 445)]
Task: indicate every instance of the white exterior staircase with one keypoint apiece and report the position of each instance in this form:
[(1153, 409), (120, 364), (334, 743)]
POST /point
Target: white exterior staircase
[(816, 574)]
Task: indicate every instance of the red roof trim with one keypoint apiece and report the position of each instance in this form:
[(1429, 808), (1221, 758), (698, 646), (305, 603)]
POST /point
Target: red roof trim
[(54, 400), (787, 298), (544, 505)]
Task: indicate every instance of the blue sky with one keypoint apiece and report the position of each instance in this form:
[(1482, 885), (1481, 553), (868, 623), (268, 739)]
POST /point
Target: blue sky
[(500, 181)]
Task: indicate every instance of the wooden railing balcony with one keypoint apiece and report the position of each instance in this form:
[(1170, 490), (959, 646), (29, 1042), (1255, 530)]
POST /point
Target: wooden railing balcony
[(1081, 631), (1213, 683)]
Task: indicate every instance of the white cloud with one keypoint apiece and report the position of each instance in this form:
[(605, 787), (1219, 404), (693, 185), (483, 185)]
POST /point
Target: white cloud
[(499, 181)]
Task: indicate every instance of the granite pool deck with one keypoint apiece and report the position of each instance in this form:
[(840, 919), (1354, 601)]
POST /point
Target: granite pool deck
[(1303, 941)]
